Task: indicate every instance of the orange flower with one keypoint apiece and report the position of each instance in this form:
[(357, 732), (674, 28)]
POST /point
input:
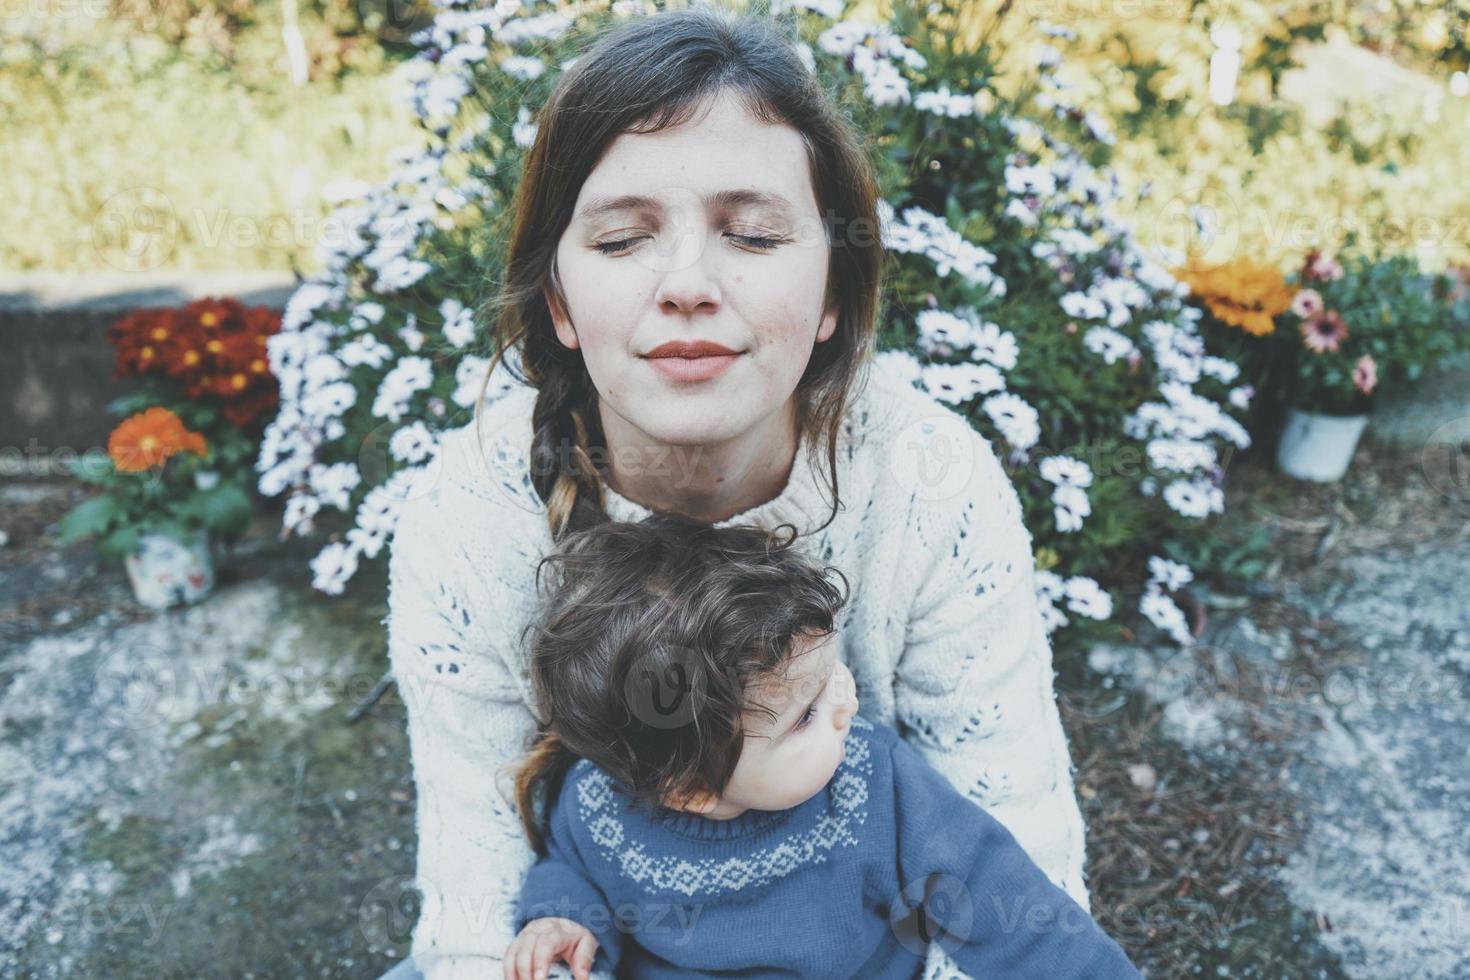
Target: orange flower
[(214, 347), (146, 341), (1245, 294), (147, 439), (215, 314)]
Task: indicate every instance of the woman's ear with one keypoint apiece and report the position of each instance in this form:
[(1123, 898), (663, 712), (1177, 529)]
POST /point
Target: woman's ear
[(828, 325), (565, 332)]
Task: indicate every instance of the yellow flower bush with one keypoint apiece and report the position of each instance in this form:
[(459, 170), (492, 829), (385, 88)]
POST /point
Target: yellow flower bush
[(1242, 292)]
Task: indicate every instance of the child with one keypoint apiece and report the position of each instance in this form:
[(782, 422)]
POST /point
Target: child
[(716, 806)]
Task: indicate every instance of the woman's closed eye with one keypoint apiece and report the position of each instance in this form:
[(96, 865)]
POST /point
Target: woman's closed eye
[(754, 241)]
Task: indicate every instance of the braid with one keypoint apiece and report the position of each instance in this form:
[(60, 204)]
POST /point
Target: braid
[(561, 460), (546, 764)]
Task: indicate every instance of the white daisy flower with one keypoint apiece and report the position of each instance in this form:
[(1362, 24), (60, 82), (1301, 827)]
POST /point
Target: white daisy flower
[(1086, 598), (330, 401), (1108, 343), (412, 444), (1182, 455), (333, 566), (1167, 616), (334, 483), (523, 130), (1066, 471), (1194, 498), (995, 345), (1070, 506), (411, 335), (459, 322), (1016, 420), (958, 383), (1168, 574), (523, 67)]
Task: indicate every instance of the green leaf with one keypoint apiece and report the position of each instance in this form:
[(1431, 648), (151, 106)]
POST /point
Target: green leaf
[(178, 530), (119, 543), (130, 403), (90, 519), (225, 508)]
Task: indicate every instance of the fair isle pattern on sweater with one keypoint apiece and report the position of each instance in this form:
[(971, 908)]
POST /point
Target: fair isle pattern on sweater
[(942, 633), (709, 877)]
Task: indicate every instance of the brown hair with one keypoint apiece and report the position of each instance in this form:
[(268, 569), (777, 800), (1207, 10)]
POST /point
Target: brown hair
[(645, 75), (642, 655)]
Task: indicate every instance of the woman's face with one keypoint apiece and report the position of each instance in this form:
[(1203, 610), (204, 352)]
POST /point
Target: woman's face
[(692, 261)]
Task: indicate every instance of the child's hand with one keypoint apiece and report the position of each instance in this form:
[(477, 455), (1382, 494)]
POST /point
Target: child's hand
[(530, 954)]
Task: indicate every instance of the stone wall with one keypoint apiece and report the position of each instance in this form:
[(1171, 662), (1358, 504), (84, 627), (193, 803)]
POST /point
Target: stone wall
[(56, 377)]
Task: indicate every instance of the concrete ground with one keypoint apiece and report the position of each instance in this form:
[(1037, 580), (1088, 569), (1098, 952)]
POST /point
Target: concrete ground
[(182, 794)]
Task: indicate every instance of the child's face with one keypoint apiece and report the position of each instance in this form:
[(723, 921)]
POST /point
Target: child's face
[(787, 761)]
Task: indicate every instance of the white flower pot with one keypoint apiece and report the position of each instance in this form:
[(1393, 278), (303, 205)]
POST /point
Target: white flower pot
[(1318, 447), (165, 572)]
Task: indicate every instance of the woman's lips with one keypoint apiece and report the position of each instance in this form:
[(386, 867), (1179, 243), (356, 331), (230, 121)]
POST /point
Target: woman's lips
[(692, 368)]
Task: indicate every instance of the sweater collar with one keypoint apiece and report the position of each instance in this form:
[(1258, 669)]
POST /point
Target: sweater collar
[(697, 827)]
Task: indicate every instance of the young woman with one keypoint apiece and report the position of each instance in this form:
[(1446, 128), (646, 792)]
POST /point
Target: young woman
[(690, 298)]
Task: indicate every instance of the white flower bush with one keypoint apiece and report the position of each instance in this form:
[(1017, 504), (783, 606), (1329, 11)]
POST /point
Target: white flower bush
[(1015, 297)]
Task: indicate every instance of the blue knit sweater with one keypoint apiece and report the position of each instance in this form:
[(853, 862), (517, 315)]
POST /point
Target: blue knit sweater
[(853, 883)]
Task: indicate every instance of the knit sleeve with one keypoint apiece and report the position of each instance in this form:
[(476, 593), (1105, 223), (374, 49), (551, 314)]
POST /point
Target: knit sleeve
[(979, 896), (973, 685), (467, 720), (559, 884)]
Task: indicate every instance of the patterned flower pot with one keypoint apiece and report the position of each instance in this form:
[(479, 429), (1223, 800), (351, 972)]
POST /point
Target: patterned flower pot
[(165, 571), (1318, 447)]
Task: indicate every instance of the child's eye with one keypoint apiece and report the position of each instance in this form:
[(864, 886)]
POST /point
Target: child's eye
[(806, 717)]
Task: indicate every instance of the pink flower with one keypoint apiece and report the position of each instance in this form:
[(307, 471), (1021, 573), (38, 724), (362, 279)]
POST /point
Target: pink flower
[(1325, 332), (1307, 304), (1320, 267), (1365, 374)]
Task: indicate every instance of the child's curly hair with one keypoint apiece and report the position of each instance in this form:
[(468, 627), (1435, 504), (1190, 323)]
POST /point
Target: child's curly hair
[(642, 656)]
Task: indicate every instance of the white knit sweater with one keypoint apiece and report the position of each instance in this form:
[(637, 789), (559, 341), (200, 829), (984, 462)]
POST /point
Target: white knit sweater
[(942, 633)]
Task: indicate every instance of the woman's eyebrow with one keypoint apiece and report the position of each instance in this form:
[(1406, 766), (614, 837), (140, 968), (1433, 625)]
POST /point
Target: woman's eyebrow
[(735, 197)]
